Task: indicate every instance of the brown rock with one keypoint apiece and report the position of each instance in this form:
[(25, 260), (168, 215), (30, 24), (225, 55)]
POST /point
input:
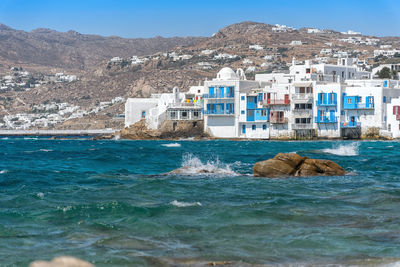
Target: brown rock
[(281, 165), (64, 261), (291, 164)]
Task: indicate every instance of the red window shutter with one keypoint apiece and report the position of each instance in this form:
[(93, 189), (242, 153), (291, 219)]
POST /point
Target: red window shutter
[(394, 110)]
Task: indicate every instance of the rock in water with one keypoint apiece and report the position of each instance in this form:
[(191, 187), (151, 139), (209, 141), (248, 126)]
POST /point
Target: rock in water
[(292, 164), (281, 165), (64, 261)]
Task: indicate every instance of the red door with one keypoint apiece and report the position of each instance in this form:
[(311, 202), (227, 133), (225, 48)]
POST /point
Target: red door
[(286, 98)]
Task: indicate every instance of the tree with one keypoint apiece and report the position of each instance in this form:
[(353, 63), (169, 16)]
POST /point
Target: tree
[(384, 73)]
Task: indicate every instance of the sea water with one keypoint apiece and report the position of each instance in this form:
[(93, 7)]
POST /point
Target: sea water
[(111, 203)]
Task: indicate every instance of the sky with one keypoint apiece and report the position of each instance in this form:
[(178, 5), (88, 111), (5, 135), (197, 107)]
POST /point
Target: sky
[(134, 18)]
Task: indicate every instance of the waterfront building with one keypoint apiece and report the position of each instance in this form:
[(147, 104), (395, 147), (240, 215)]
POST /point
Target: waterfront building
[(307, 101), (231, 108)]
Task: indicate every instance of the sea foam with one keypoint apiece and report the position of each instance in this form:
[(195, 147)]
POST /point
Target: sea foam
[(350, 149), (193, 165), (180, 204), (172, 145)]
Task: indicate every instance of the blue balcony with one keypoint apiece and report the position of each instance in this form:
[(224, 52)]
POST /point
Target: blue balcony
[(320, 103), (218, 112), (218, 95), (355, 102), (326, 119), (350, 124)]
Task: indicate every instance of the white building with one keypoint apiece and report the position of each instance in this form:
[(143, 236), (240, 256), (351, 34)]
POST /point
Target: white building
[(160, 107), (386, 53), (295, 43), (256, 47), (230, 110)]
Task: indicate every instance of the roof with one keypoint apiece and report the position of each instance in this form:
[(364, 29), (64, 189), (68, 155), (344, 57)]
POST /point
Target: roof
[(302, 84)]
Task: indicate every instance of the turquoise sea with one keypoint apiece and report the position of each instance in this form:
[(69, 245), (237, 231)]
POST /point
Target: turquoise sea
[(111, 203)]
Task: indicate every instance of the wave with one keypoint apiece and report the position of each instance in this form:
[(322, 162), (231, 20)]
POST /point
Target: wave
[(192, 165), (172, 145), (343, 150), (180, 204), (45, 150)]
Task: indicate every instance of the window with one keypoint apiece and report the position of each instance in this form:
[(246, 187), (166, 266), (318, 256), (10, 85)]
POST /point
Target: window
[(253, 127), (143, 114), (389, 127), (265, 127), (263, 113), (172, 115), (196, 114), (243, 129), (384, 99), (242, 112), (184, 114), (332, 97), (309, 106), (348, 100), (342, 112), (297, 120), (242, 97)]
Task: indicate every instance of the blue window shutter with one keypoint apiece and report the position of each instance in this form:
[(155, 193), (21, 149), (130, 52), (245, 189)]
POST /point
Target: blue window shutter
[(211, 90), (332, 115), (329, 98), (335, 96), (325, 97)]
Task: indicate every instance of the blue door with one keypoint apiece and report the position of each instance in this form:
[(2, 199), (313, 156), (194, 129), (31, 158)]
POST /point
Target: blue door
[(332, 118), (211, 91), (243, 129)]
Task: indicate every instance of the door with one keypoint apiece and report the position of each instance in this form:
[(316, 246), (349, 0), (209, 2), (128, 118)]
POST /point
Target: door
[(211, 91), (243, 129), (332, 116), (286, 98)]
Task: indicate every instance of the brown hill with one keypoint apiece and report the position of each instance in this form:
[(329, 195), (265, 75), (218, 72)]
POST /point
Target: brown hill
[(74, 50)]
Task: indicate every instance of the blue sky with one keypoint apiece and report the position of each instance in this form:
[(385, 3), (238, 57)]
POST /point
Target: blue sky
[(198, 17)]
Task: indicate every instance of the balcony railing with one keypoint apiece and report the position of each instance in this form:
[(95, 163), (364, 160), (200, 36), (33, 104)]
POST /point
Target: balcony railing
[(218, 112), (301, 126), (218, 95), (278, 120), (270, 102), (326, 120), (359, 106), (350, 124), (302, 98), (319, 103), (198, 104), (302, 113)]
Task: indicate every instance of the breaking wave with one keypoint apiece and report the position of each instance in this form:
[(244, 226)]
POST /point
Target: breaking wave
[(172, 145), (343, 150), (180, 204), (193, 165)]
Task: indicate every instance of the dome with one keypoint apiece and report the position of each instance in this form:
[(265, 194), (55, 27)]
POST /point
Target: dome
[(227, 74)]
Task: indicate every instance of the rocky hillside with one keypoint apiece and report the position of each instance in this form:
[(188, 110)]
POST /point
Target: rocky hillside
[(74, 50)]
